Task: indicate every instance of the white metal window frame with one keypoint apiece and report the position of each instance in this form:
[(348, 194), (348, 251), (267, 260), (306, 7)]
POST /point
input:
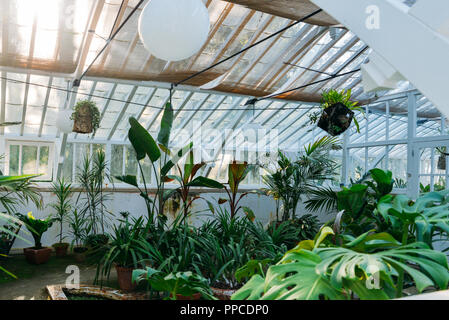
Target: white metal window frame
[(21, 143)]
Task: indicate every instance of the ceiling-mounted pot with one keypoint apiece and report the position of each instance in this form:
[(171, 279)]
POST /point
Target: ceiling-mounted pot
[(336, 119)]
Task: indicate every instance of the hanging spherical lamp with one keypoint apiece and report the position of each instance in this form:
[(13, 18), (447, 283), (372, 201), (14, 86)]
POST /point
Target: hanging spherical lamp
[(174, 30), (63, 121)]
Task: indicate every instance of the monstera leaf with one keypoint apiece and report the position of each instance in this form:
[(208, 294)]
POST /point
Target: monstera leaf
[(429, 213)]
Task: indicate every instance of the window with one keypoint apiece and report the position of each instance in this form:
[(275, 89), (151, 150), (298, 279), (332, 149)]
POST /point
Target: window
[(23, 157)]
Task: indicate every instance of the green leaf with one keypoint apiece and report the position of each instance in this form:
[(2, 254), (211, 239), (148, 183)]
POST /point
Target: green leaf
[(129, 179), (205, 182), (175, 159), (249, 213), (166, 126), (142, 141)]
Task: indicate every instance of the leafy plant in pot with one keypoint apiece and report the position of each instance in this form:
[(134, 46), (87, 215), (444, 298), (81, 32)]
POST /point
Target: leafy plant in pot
[(178, 285), (63, 192), (37, 227), (78, 230), (126, 251), (338, 112), (86, 117)]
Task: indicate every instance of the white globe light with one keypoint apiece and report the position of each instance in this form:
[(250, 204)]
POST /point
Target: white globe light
[(63, 121), (174, 30)]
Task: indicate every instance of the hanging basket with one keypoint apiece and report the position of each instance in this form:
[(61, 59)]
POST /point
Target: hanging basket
[(441, 162), (83, 120), (336, 119)]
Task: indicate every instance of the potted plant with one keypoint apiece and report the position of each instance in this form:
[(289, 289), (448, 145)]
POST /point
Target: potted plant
[(86, 117), (37, 227), (178, 285), (126, 252), (78, 231), (63, 192), (337, 112)]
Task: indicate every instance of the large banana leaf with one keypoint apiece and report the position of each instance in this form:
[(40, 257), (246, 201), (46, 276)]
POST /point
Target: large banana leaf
[(166, 125), (205, 182), (142, 141)]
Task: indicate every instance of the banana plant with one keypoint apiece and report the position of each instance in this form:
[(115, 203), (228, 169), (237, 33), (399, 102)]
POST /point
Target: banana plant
[(160, 157), (314, 270), (187, 179)]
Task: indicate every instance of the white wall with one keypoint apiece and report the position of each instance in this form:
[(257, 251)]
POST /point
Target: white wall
[(262, 206)]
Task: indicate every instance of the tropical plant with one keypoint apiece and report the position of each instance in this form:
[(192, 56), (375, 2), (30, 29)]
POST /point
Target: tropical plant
[(92, 176), (127, 248), (92, 108), (293, 179), (18, 190), (187, 179), (37, 227), (78, 228), (63, 192), (160, 157), (8, 232), (185, 284), (237, 172), (314, 271), (332, 97)]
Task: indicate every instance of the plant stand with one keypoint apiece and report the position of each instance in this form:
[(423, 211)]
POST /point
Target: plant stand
[(336, 119)]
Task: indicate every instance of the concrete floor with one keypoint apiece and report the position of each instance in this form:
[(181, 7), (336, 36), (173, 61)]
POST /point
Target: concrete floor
[(32, 279)]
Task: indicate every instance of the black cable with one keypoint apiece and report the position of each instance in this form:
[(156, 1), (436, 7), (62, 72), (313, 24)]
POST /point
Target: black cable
[(249, 47), (307, 85), (77, 82)]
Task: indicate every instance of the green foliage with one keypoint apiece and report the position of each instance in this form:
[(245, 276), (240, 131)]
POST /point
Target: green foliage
[(63, 192), (95, 113), (127, 247), (37, 227), (185, 284), (329, 272), (294, 179)]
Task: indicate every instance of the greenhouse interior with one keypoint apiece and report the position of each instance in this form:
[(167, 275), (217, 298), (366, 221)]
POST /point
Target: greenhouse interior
[(224, 150)]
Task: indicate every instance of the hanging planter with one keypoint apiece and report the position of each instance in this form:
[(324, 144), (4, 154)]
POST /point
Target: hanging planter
[(337, 112), (86, 117), (442, 158), (336, 119)]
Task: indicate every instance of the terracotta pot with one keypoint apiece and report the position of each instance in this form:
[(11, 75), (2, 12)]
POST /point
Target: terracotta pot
[(223, 294), (80, 254), (124, 278), (37, 256), (195, 296), (61, 249)]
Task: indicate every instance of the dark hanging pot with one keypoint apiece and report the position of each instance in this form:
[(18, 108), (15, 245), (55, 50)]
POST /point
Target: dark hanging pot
[(336, 119), (442, 162), (83, 120)]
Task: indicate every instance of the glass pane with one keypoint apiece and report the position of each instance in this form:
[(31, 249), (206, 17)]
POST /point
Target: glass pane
[(67, 168), (29, 159), (116, 160), (130, 161), (146, 168), (14, 160), (43, 160)]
